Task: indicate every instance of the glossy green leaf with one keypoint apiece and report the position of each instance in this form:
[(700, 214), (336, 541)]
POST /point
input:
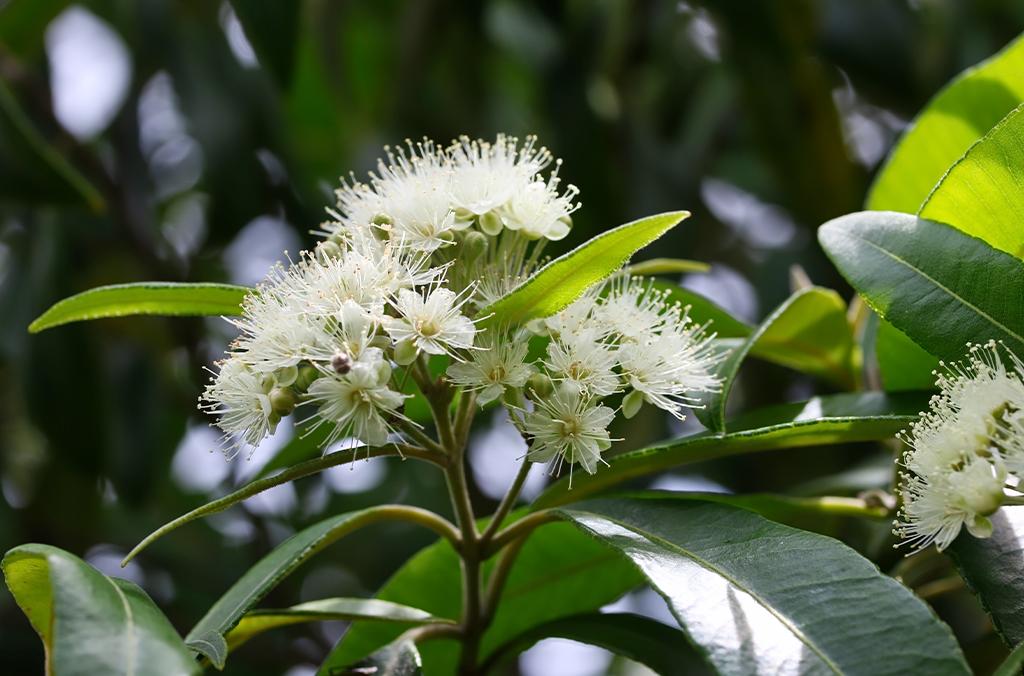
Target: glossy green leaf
[(983, 193), (298, 471), (808, 332), (666, 266), (269, 571), (903, 364), (564, 279), (759, 597), (836, 419), (663, 649), (90, 623), (144, 298), (958, 116), (400, 658), (994, 570), (256, 622), (1013, 665), (559, 572), (939, 286)]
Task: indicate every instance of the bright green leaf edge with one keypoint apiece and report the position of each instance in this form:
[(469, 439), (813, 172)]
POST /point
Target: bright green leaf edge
[(144, 298), (564, 279)]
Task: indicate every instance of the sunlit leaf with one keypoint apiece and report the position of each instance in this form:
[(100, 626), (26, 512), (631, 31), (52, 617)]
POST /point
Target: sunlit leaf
[(90, 623), (144, 298)]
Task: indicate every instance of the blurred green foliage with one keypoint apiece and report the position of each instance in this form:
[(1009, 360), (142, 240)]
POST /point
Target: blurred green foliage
[(228, 125)]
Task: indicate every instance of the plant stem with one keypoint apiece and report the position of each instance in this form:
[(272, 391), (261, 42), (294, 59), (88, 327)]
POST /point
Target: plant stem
[(520, 528), (507, 502)]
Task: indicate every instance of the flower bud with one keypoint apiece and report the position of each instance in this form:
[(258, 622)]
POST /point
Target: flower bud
[(341, 362), (327, 251), (540, 385), (405, 352), (307, 374), (631, 403), (283, 400), (383, 220), (286, 376), (473, 247), (491, 223)]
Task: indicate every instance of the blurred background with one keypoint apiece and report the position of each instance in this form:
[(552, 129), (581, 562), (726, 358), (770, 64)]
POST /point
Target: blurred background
[(197, 140)]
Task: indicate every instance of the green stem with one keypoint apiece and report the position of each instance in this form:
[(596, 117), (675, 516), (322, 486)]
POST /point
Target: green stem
[(507, 502), (936, 588), (422, 437), (296, 472), (520, 528)]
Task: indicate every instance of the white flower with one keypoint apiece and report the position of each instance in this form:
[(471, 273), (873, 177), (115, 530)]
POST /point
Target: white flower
[(567, 426), (671, 367), (962, 450), (497, 366), (432, 323), (633, 310), (539, 210), (486, 175), (357, 403), (584, 362), (575, 317), (936, 507), (240, 398)]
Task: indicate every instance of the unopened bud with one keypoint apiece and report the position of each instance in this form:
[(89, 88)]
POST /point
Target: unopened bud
[(283, 400), (405, 352), (383, 220), (341, 362), (491, 223), (540, 385), (286, 376), (632, 402), (473, 247), (307, 374)]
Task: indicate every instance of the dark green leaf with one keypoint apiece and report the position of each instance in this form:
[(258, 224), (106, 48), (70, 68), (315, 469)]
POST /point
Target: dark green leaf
[(144, 298), (272, 29), (903, 364), (994, 569), (663, 649), (256, 622), (559, 572), (564, 279), (939, 286), (959, 115), (396, 659), (90, 623), (759, 597), (983, 193), (271, 569), (837, 419)]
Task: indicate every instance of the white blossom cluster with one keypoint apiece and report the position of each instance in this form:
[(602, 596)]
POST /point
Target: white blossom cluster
[(409, 264), (966, 453)]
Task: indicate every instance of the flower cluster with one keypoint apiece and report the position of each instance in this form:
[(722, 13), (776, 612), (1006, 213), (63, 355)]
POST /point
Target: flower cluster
[(965, 454), (400, 284)]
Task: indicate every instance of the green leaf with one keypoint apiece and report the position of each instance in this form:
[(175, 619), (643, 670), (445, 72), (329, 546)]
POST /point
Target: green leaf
[(663, 649), (559, 572), (759, 597), (959, 115), (666, 266), (983, 193), (836, 419), (564, 279), (90, 623), (1013, 665), (400, 658), (144, 298), (808, 332), (994, 569), (272, 29), (259, 485), (939, 286), (904, 365), (349, 610), (271, 569)]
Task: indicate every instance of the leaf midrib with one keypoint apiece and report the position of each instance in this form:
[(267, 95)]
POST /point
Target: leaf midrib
[(938, 284), (729, 578), (129, 626)]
